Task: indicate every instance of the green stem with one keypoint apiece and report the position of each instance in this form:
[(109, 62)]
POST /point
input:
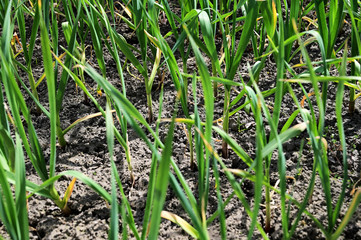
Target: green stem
[(354, 52), (150, 111), (351, 106), (215, 89), (59, 202), (185, 69), (215, 84), (268, 204), (227, 94), (81, 72), (129, 159), (190, 140), (59, 132), (33, 87)]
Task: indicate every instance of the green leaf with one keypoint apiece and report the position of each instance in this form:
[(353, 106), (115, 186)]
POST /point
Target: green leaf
[(161, 184), (20, 192)]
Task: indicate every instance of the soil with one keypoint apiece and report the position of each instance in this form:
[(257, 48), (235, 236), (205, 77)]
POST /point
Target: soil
[(87, 152)]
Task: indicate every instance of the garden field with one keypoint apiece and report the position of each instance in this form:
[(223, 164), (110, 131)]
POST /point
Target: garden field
[(202, 119)]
